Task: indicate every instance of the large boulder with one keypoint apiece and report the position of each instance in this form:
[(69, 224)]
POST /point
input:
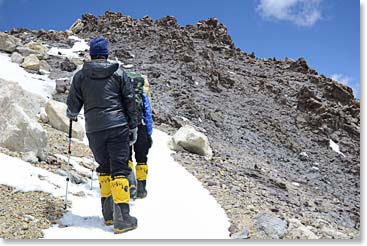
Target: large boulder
[(34, 48), (56, 113), (191, 140), (8, 43), (77, 26), (39, 49), (31, 62), (29, 102), (19, 128), (270, 226)]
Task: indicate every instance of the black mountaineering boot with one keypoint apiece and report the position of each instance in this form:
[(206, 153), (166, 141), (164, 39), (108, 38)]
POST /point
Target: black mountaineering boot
[(122, 221), (106, 198), (132, 181), (141, 176), (141, 191)]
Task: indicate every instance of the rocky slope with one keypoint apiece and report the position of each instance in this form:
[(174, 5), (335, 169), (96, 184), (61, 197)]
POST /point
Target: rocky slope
[(269, 122)]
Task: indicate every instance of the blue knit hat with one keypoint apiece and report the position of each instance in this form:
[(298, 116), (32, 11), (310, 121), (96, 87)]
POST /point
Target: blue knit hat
[(98, 47)]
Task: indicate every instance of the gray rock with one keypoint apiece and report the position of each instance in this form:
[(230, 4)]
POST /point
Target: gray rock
[(303, 156), (17, 58), (45, 66), (29, 157), (8, 43), (31, 62), (21, 133), (244, 234), (36, 48), (272, 226), (61, 85), (56, 113), (68, 66), (77, 26), (43, 116), (25, 51), (76, 178), (193, 141), (19, 128)]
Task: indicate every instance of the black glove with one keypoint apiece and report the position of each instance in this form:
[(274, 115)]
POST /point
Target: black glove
[(150, 141), (72, 116), (133, 135)]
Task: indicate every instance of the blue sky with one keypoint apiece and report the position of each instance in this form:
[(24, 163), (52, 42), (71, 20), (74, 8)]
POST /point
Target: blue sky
[(325, 32)]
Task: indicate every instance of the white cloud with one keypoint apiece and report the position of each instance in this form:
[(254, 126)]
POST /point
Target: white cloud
[(301, 12), (341, 78)]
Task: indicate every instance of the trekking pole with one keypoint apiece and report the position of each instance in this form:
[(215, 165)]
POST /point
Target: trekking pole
[(68, 168), (91, 180)]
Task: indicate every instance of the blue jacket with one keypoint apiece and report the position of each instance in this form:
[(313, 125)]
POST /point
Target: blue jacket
[(147, 114)]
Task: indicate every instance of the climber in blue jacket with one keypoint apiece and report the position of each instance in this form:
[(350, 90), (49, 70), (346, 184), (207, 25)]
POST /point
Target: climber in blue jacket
[(144, 140)]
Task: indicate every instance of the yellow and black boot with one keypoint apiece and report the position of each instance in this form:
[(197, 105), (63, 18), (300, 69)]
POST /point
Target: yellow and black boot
[(106, 198), (132, 180), (122, 221), (141, 176)]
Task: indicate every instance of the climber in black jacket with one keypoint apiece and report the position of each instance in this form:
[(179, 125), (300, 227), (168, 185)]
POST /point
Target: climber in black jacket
[(111, 123)]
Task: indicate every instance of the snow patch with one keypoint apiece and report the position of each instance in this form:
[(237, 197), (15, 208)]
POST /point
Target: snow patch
[(335, 147), (35, 83), (28, 177), (74, 161), (127, 66), (79, 46)]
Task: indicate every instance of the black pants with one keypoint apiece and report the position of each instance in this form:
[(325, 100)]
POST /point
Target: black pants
[(111, 150), (141, 146)]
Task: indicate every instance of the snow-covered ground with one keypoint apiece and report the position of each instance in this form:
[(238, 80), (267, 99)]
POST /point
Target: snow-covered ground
[(177, 206)]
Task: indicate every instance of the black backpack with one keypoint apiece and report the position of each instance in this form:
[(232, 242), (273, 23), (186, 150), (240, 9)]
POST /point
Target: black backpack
[(138, 84)]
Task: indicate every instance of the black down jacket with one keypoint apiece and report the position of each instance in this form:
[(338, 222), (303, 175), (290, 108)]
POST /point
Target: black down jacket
[(107, 96)]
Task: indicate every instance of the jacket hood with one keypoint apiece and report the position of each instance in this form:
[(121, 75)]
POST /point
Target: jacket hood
[(99, 68)]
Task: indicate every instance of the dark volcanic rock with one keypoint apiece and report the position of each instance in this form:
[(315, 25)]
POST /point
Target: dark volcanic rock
[(339, 92), (300, 66), (67, 65)]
